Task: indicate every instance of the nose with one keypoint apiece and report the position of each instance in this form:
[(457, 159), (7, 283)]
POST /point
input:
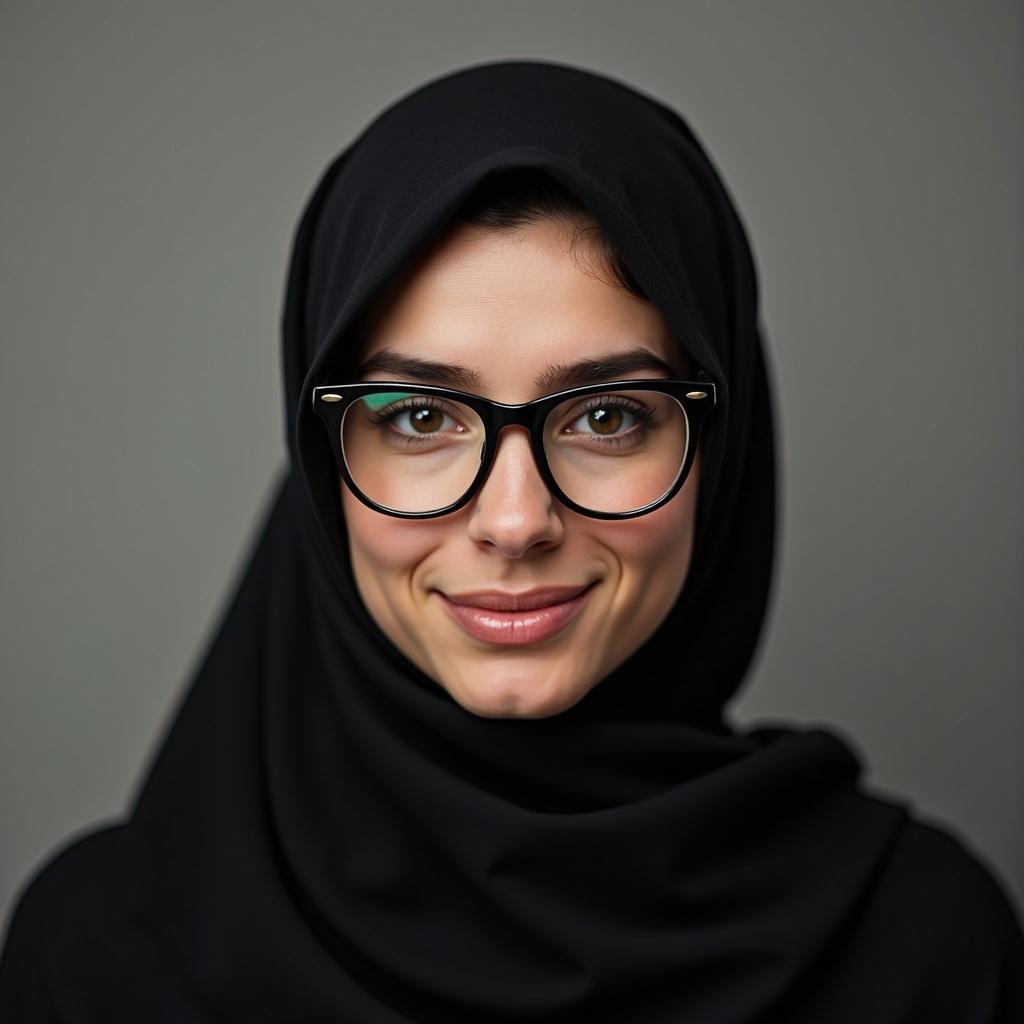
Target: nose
[(514, 511)]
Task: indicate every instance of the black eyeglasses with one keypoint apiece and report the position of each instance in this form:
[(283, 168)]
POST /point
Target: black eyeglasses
[(610, 451)]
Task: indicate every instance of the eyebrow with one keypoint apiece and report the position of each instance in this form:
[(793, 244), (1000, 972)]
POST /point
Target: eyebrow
[(613, 366)]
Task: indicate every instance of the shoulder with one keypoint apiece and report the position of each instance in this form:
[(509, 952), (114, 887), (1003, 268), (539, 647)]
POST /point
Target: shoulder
[(66, 875), (954, 919), (961, 882), (936, 888), (60, 892)]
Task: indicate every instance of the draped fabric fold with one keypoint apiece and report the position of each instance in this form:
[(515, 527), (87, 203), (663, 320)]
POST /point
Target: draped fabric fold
[(324, 834)]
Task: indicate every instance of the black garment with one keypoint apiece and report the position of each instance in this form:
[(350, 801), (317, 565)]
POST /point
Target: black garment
[(326, 835)]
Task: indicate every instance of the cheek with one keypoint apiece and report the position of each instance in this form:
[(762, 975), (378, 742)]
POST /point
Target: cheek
[(650, 537), (654, 550), (385, 544)]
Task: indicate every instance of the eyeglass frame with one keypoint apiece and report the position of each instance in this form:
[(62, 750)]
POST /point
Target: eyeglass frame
[(330, 402)]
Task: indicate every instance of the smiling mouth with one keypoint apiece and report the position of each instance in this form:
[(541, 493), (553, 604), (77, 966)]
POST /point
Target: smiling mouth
[(537, 615)]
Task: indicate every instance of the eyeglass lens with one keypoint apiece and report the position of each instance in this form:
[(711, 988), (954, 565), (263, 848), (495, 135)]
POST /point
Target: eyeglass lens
[(614, 451)]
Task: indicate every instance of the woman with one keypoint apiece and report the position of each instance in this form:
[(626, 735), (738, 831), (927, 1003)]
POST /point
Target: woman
[(457, 752)]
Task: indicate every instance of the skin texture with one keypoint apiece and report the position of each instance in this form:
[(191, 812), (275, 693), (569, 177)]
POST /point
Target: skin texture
[(507, 304)]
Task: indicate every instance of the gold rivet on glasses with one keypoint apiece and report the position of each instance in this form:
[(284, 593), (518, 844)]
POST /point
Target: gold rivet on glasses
[(696, 394), (330, 398)]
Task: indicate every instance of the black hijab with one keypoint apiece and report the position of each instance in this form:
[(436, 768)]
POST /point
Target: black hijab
[(326, 835)]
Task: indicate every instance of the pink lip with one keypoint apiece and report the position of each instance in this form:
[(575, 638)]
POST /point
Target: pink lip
[(499, 617)]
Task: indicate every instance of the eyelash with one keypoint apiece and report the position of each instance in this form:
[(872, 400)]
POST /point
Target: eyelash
[(389, 412), (637, 409), (384, 416)]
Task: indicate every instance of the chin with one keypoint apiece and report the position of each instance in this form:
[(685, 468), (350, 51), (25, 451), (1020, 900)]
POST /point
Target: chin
[(514, 692)]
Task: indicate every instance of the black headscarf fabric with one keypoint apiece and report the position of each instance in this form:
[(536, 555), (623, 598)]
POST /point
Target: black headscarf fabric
[(325, 834)]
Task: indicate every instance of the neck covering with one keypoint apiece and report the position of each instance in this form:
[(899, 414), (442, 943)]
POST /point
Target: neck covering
[(326, 835)]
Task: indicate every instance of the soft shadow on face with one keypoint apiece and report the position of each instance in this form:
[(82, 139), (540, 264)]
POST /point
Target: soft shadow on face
[(508, 305)]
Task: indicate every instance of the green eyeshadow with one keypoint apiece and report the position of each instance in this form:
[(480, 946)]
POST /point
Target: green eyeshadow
[(378, 401)]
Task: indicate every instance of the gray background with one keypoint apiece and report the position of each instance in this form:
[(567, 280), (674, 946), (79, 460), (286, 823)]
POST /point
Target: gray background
[(155, 160)]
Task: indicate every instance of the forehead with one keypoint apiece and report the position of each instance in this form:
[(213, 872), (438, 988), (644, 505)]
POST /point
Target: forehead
[(509, 311)]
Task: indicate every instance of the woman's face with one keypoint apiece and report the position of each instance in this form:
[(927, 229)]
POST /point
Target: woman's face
[(507, 308)]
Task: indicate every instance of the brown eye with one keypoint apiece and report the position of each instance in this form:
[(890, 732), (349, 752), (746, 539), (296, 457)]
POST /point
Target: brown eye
[(605, 420), (426, 421)]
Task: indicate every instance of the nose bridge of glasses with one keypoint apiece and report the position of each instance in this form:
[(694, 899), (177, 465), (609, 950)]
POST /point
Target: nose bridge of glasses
[(524, 445), (518, 448)]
